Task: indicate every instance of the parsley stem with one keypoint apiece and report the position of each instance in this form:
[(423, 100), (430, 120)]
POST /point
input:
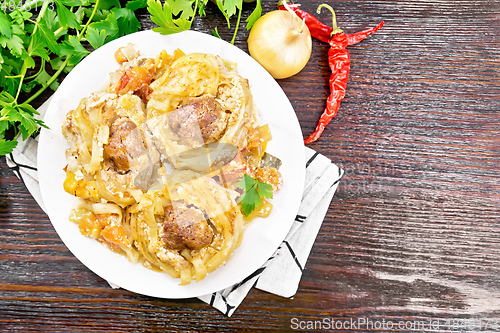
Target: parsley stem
[(25, 67), (50, 81), (13, 76), (58, 31), (194, 13), (82, 32), (237, 25), (42, 67), (23, 73)]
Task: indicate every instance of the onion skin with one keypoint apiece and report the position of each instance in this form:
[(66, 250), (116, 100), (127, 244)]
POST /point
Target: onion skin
[(280, 43)]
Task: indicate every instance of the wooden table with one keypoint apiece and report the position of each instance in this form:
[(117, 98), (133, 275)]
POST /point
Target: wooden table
[(412, 235)]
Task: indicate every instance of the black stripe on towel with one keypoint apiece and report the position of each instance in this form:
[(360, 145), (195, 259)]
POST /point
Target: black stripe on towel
[(340, 177), (336, 182), (212, 299), (312, 159), (16, 170), (293, 255), (20, 165), (228, 307), (300, 218), (248, 278)]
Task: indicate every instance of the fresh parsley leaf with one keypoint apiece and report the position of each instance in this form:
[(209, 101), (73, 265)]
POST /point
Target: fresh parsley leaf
[(4, 125), (28, 123), (9, 85), (11, 61), (137, 4), (38, 48), (28, 60), (183, 8), (95, 37), (19, 16), (254, 192), (107, 4), (109, 25), (80, 14), (43, 77), (72, 47), (5, 97), (14, 43), (216, 33), (246, 183), (50, 20), (163, 17), (225, 12), (257, 12), (28, 108), (99, 15), (44, 33), (17, 29), (201, 7), (265, 190), (10, 114), (250, 201), (11, 66), (127, 22), (66, 17), (58, 62), (5, 25), (6, 147), (229, 7)]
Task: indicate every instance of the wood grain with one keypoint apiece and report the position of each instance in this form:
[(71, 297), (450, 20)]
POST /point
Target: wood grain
[(413, 232)]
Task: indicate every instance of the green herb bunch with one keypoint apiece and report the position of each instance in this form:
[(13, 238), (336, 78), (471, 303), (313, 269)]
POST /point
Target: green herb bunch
[(53, 32), (178, 15)]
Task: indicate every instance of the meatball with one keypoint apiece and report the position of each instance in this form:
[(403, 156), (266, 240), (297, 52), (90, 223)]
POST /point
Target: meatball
[(186, 227), (200, 120), (125, 144)]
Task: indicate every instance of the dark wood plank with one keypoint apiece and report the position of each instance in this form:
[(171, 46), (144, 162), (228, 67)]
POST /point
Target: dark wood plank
[(413, 232)]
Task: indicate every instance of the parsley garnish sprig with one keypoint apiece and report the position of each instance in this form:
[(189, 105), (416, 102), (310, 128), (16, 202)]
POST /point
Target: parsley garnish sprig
[(178, 15), (255, 191), (55, 37)]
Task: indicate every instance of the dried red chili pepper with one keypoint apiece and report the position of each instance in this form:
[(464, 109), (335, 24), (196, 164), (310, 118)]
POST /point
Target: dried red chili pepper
[(359, 36), (338, 60), (317, 29)]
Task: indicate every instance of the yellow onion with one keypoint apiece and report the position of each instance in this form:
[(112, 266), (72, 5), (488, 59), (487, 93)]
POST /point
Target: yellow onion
[(281, 43)]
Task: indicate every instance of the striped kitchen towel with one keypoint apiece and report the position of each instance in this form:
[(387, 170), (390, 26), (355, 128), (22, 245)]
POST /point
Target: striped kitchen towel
[(282, 272)]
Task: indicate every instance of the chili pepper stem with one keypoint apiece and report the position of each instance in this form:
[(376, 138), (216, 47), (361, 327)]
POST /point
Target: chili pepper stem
[(335, 30)]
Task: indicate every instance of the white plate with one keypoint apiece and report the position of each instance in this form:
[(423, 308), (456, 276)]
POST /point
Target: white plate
[(261, 238)]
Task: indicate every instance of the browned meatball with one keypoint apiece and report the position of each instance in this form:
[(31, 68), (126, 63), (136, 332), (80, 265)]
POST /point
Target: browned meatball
[(186, 227), (125, 144), (202, 115)]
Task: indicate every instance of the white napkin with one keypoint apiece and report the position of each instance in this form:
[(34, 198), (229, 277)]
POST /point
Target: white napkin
[(282, 272)]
